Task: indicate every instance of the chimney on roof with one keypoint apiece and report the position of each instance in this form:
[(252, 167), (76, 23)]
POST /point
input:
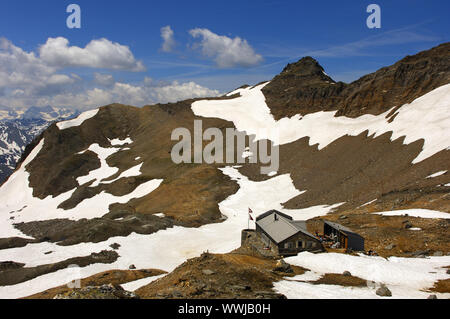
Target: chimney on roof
[(275, 217)]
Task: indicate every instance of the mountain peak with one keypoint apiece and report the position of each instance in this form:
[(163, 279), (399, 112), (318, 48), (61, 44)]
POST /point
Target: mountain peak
[(306, 68)]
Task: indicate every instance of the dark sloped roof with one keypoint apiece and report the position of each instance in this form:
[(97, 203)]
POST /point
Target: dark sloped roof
[(341, 228), (282, 228), (270, 212)]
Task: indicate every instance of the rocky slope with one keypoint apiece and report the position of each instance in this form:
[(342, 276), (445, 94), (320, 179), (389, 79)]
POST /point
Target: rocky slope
[(303, 87), (105, 183)]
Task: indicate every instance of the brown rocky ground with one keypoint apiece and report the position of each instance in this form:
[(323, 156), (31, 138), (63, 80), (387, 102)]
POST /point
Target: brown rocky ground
[(118, 223), (442, 286), (388, 235), (233, 275), (340, 280), (113, 277)]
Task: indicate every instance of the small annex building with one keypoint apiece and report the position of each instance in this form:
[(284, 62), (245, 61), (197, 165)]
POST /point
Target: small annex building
[(285, 236), (346, 238)]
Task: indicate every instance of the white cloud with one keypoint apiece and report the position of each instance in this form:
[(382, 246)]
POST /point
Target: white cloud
[(28, 79), (102, 54), (20, 68), (225, 51), (168, 39), (104, 79), (125, 93)]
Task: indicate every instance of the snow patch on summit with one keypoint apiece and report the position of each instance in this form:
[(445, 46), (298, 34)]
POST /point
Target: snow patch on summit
[(78, 121)]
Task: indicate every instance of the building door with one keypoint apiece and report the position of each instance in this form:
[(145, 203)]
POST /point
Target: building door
[(345, 245)]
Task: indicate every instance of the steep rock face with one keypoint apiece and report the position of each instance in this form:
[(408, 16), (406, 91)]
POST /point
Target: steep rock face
[(303, 88)]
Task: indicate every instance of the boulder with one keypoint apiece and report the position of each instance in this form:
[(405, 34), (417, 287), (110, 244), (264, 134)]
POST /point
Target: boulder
[(384, 291), (346, 273), (208, 272), (407, 225), (283, 266), (115, 246)]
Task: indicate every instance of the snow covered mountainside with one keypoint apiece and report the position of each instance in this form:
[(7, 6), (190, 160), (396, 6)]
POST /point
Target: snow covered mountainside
[(101, 191), (18, 128)]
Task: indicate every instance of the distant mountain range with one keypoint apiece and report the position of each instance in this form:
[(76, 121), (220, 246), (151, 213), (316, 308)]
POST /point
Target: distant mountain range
[(19, 127)]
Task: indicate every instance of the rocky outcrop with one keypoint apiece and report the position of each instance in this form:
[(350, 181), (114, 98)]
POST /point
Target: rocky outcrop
[(15, 273), (224, 276), (102, 292), (304, 88)]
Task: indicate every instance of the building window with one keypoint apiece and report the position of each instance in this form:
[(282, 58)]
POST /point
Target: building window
[(300, 244), (289, 245)]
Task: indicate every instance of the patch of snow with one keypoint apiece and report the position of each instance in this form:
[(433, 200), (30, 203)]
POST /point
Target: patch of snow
[(437, 174), (160, 215), (134, 171), (13, 195), (104, 171), (250, 113), (77, 121), (303, 290), (98, 205), (405, 277), (237, 91), (368, 203), (307, 276), (422, 213), (119, 142), (135, 285), (415, 228)]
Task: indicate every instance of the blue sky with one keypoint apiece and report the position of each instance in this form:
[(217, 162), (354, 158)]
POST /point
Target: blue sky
[(270, 34)]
